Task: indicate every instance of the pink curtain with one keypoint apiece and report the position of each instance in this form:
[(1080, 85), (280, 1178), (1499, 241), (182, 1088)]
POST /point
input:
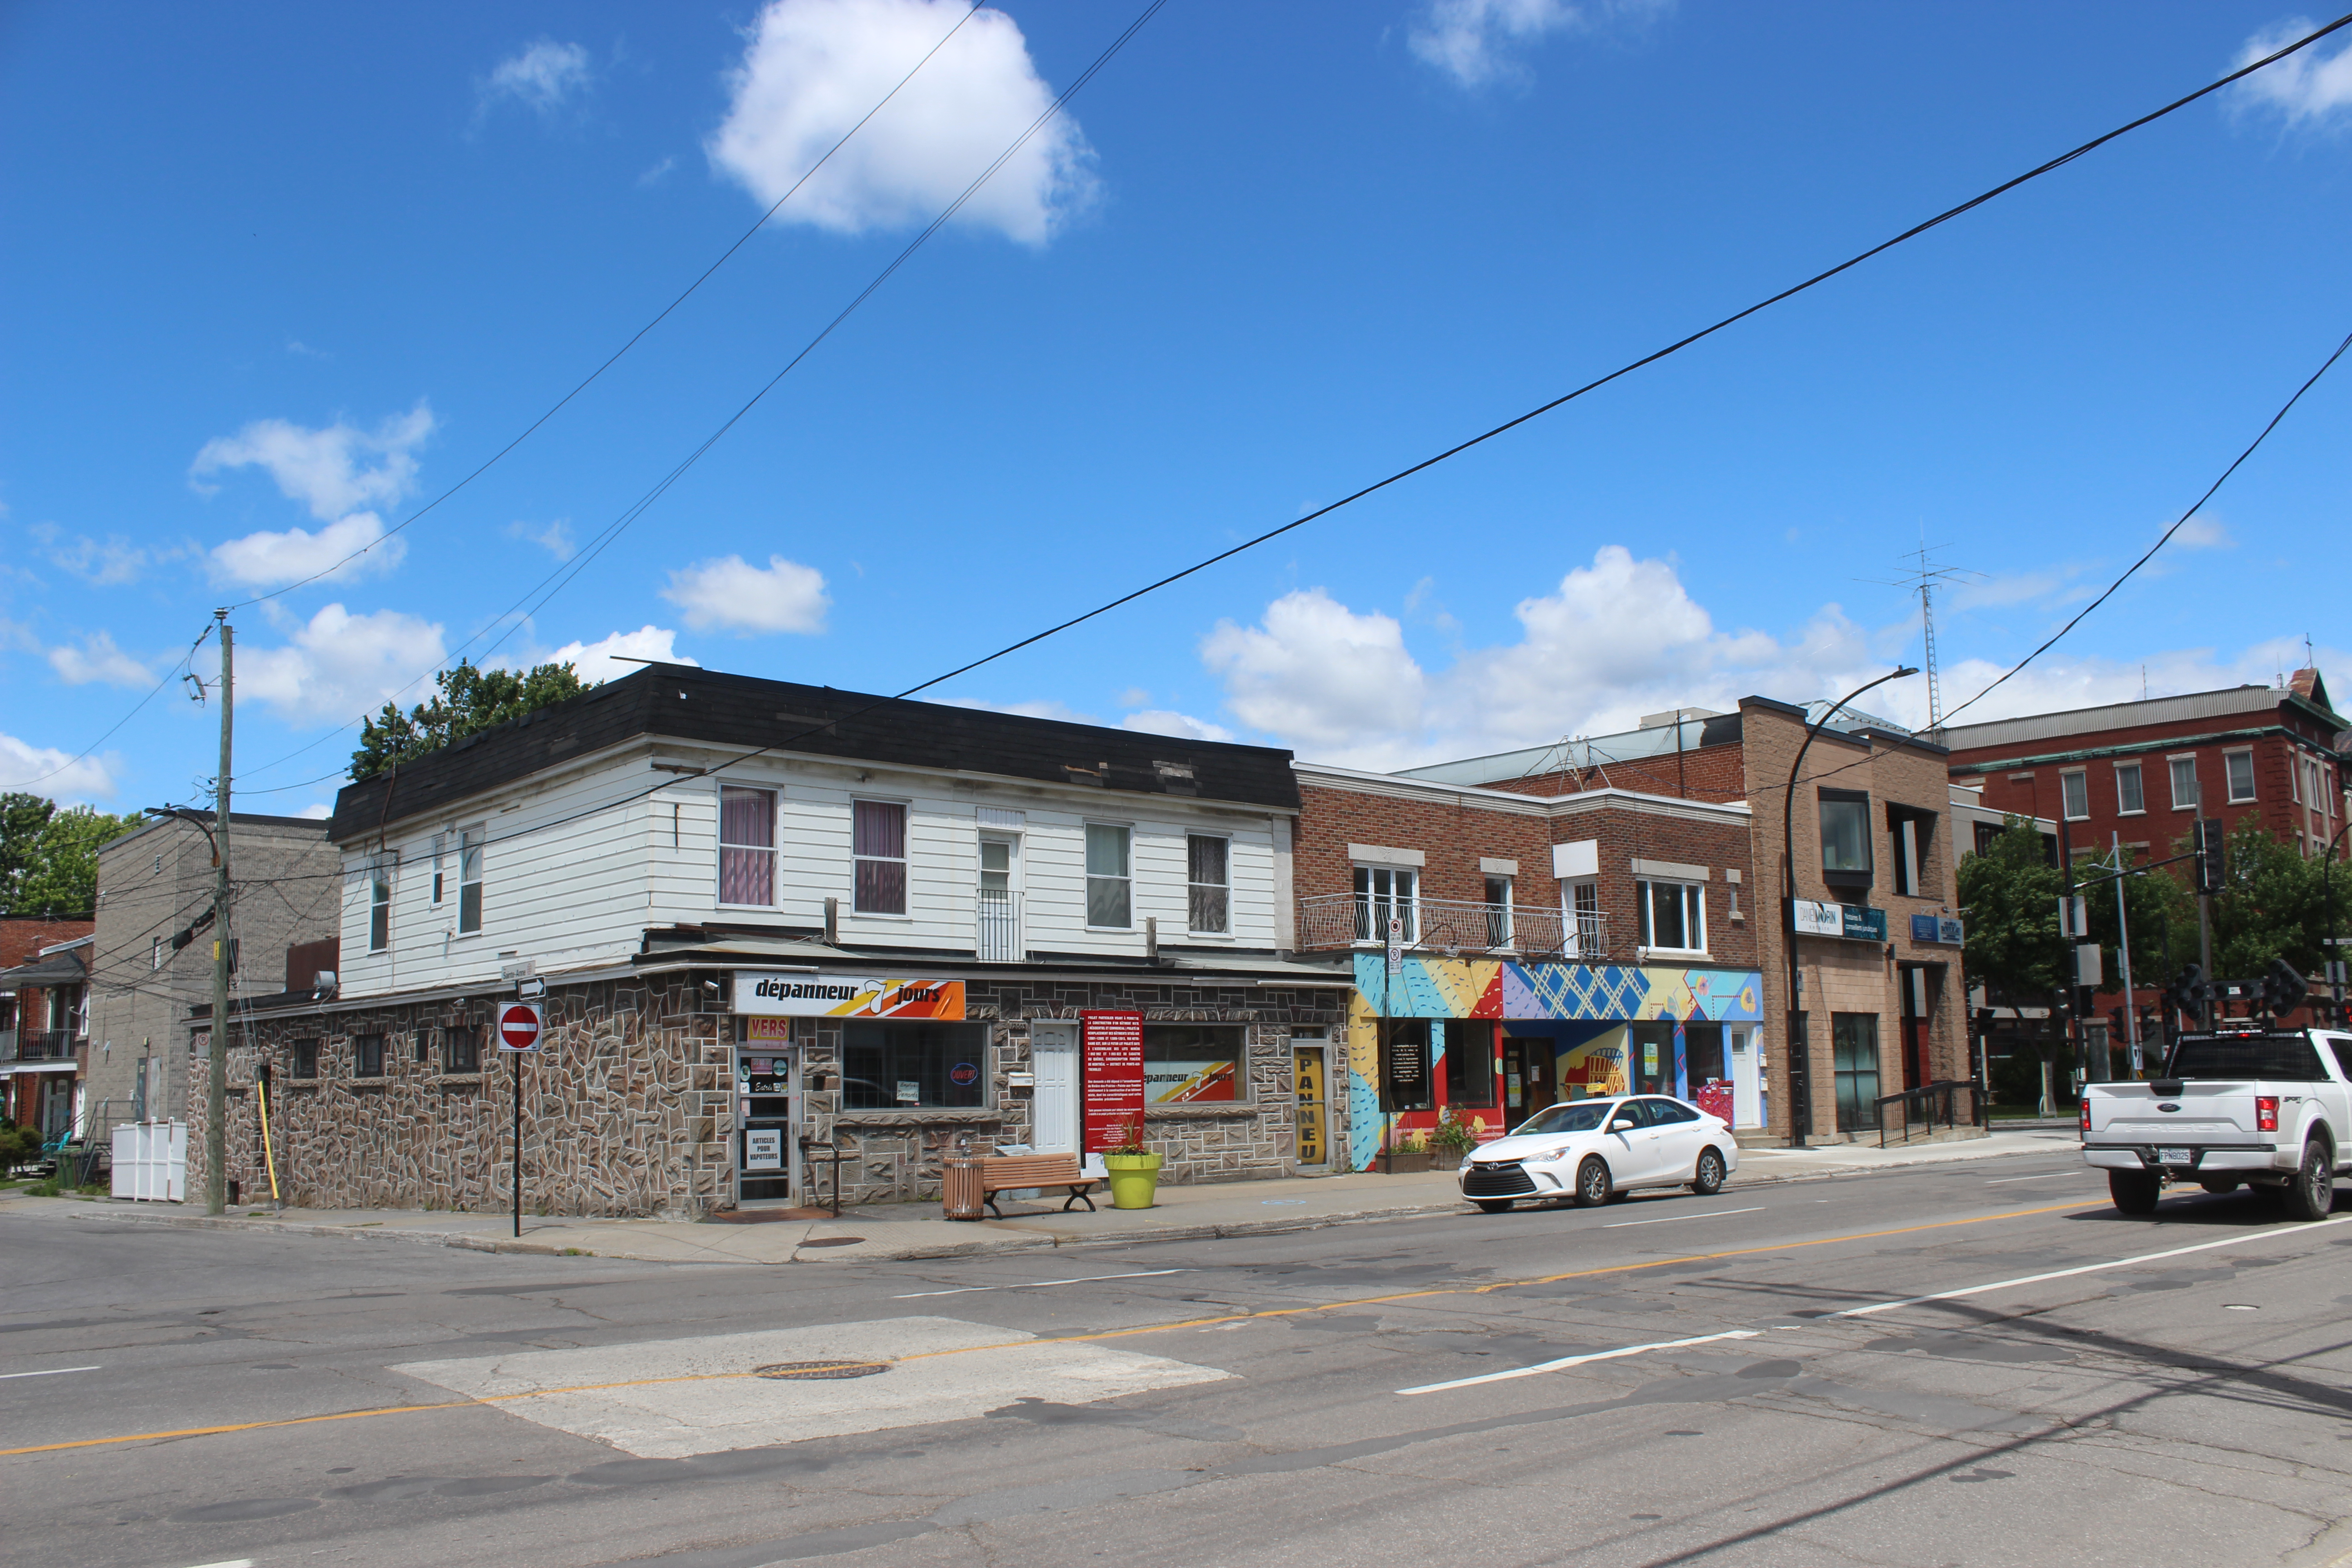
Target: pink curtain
[(747, 838)]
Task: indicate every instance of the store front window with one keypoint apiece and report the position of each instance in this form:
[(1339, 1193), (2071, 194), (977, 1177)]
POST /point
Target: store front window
[(1470, 1065), (1404, 1064), (914, 1066), (1187, 1064), (1853, 1043)]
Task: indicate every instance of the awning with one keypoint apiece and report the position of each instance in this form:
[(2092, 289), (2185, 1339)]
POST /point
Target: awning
[(10, 1069)]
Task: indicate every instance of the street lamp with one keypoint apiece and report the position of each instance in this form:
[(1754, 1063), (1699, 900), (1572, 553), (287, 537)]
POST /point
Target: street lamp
[(1801, 1102)]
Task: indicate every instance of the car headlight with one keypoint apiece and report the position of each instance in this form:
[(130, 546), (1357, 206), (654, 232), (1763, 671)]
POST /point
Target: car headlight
[(1561, 1152)]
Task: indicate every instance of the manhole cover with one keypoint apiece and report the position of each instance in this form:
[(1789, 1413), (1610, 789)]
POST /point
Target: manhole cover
[(819, 1371), (835, 1241)]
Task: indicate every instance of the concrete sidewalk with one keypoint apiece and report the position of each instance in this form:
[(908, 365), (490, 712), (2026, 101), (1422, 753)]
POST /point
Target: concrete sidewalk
[(917, 1231)]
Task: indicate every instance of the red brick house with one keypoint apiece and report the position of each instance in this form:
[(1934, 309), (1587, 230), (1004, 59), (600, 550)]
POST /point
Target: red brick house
[(44, 1020)]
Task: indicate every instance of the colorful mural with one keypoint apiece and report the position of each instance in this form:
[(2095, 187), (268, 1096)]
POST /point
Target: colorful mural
[(1603, 998)]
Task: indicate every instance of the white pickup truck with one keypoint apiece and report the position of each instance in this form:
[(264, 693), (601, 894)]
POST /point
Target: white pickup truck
[(2270, 1108)]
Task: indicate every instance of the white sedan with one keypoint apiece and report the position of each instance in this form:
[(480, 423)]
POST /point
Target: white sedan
[(1590, 1151)]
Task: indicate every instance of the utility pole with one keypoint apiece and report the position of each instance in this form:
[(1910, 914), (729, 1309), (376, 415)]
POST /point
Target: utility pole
[(2066, 937), (216, 1073), (2123, 955)]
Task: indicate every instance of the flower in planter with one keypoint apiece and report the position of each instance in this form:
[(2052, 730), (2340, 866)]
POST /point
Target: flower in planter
[(1131, 1137), (1452, 1136)]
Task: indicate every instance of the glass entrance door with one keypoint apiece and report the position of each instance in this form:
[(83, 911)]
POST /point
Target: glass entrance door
[(1853, 1038), (764, 1151)]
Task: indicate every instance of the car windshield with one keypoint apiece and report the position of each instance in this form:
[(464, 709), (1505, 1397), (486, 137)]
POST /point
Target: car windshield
[(1581, 1116)]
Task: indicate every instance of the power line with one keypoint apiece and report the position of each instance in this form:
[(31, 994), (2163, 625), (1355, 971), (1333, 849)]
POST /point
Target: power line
[(2109, 591), (663, 315), (563, 576)]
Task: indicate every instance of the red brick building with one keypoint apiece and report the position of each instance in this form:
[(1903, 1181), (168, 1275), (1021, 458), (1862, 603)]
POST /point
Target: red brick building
[(44, 1020)]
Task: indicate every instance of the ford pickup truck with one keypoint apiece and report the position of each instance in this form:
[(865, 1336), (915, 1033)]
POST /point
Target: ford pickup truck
[(2269, 1109)]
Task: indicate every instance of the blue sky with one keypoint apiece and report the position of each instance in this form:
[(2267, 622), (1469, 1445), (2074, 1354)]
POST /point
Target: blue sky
[(277, 275)]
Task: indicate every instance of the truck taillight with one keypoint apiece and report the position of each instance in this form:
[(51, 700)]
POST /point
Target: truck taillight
[(2266, 1113), (2086, 1116)]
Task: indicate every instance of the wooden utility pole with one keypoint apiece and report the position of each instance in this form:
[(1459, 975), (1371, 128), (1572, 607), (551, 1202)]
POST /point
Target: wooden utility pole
[(217, 1074)]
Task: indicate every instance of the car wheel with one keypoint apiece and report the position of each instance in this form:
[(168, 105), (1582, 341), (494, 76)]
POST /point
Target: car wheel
[(1592, 1187), (1708, 1181), (2135, 1192), (2311, 1193), (1494, 1206), (2221, 1186)]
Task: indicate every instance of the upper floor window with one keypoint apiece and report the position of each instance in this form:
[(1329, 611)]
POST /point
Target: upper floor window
[(879, 844), (2240, 768), (2184, 783), (440, 847), (1385, 893), (1912, 833), (747, 846), (1110, 884), (1673, 915), (1845, 837), (1498, 911), (379, 907), (470, 841), (2130, 799), (2075, 794), (1208, 883), (156, 955), (1587, 935)]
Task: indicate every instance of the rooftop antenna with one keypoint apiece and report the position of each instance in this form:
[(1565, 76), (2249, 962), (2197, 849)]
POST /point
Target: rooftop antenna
[(1922, 575)]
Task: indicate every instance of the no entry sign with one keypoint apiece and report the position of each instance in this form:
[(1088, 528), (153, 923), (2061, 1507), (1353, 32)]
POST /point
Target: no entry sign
[(519, 1026)]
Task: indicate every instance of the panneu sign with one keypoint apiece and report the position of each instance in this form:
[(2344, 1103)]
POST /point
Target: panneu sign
[(768, 994)]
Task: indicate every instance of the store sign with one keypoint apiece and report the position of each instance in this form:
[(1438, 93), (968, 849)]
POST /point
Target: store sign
[(1110, 1050), (764, 1149), (765, 993), (1811, 917), (1946, 929)]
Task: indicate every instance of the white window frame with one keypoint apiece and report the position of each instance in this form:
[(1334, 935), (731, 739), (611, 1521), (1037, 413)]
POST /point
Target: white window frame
[(1126, 878), (379, 906), (440, 847), (1408, 900), (1580, 895), (1225, 887), (473, 847), (2230, 777), (155, 956), (2071, 781), (1694, 913), (771, 848), (2172, 774), (1508, 928), (904, 859), (2139, 773)]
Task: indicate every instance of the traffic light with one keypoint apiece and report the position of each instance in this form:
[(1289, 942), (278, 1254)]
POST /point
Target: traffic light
[(2190, 992), (2282, 989), (2212, 858)]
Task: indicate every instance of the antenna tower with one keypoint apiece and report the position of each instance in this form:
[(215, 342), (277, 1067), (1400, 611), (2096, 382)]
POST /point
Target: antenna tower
[(1921, 577)]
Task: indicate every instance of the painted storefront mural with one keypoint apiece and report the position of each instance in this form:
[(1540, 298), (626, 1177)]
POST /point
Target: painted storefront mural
[(1582, 1010)]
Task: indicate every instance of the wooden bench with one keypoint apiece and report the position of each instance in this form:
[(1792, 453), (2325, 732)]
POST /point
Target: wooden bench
[(1012, 1172)]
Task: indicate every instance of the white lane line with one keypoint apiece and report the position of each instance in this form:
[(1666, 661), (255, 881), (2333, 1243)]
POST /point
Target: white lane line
[(1671, 1218), (2049, 1176), (53, 1371), (229, 1562), (1040, 1284), (1578, 1360), (2090, 1268)]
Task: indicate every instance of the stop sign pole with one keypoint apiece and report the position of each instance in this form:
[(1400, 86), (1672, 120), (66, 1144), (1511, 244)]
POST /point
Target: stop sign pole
[(519, 1026)]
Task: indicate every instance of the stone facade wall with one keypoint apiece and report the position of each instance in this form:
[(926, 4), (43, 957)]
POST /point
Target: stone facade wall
[(616, 1116)]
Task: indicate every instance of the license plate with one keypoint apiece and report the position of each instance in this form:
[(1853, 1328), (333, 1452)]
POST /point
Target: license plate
[(2176, 1156)]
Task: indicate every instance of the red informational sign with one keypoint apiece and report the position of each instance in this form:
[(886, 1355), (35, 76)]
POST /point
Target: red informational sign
[(519, 1026), (1111, 1048)]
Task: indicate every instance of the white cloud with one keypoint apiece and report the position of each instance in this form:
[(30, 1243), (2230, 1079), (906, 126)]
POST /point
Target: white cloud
[(1168, 722), (555, 538), (23, 765), (265, 559), (812, 68), (601, 660), (317, 810), (660, 171), (1319, 674), (2056, 683), (1471, 40), (2204, 533), (338, 666), (542, 77), (2308, 85), (326, 469), (99, 660), (107, 566), (783, 596)]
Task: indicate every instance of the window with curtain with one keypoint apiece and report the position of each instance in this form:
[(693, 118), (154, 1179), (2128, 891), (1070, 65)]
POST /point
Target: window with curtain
[(2075, 794), (747, 846), (1587, 936), (1110, 885), (1383, 893), (2240, 766), (2130, 798), (1498, 911), (879, 833), (1208, 883), (2184, 784)]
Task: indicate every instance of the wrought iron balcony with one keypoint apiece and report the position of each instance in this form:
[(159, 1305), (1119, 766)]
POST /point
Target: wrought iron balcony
[(997, 936), (1450, 927), (42, 1045)]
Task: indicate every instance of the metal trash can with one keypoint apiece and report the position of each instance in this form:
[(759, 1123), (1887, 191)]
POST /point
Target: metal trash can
[(959, 1190)]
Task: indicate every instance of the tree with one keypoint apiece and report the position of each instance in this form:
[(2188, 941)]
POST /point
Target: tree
[(2009, 893), (469, 702), (2273, 904), (48, 858)]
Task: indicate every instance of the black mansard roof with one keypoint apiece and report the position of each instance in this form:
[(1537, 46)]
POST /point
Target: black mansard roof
[(685, 703)]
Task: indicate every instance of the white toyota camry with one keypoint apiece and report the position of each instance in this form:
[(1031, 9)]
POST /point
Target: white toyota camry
[(1591, 1150)]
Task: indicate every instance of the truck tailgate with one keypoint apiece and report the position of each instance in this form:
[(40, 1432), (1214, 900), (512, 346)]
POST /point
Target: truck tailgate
[(2209, 1111)]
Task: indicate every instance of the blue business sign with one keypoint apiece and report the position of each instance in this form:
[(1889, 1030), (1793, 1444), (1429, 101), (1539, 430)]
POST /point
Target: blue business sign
[(1943, 929)]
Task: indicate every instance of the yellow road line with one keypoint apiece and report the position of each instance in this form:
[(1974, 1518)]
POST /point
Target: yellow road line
[(1072, 1339)]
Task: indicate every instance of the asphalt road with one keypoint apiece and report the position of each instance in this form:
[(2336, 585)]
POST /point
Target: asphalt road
[(1747, 1379)]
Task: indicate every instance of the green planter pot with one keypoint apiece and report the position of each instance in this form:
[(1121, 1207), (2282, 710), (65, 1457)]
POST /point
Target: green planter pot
[(1134, 1178)]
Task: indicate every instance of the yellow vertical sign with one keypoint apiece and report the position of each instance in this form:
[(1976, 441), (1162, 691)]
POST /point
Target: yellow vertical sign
[(1307, 1067)]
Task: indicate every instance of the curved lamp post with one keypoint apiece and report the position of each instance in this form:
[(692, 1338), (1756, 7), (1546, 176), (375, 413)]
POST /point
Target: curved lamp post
[(1801, 1073)]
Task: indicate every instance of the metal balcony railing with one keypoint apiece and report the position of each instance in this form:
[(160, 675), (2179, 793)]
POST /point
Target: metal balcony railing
[(997, 936), (44, 1045), (1450, 926), (8, 1045)]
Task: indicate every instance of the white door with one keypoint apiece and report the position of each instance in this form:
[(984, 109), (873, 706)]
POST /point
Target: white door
[(1054, 1108), (997, 913), (1746, 1100)]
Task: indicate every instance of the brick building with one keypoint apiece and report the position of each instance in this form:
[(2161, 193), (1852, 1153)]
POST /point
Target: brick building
[(44, 1020), (1606, 914)]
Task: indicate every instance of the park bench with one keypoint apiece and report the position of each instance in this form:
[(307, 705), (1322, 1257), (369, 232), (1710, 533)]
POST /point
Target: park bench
[(1016, 1173)]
